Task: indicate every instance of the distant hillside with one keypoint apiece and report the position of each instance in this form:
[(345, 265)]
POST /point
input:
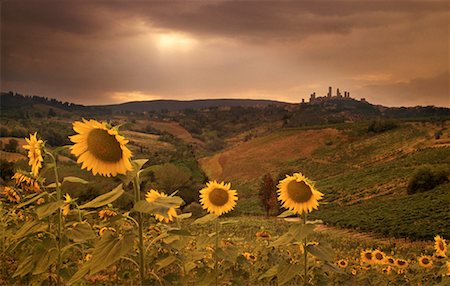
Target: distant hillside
[(172, 105), (357, 170)]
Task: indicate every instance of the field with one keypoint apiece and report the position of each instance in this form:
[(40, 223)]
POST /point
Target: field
[(68, 226)]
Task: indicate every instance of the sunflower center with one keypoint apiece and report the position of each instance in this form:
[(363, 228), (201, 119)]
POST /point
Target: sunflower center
[(425, 261), (299, 192), (104, 146), (379, 256), (441, 245), (401, 263), (218, 197), (368, 255), (342, 263)]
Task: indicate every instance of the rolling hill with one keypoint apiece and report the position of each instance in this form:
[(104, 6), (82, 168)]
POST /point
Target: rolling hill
[(362, 174)]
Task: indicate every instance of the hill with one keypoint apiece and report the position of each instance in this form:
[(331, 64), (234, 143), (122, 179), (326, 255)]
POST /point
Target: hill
[(172, 105), (362, 174)]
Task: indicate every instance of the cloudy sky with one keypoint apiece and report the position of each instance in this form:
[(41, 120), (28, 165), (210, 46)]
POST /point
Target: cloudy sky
[(394, 53)]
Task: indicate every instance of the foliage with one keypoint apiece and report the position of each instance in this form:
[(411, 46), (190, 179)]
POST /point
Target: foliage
[(267, 194), (12, 145), (381, 125), (426, 178)]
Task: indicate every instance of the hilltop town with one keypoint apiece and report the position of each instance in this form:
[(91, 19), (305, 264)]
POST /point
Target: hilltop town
[(313, 99)]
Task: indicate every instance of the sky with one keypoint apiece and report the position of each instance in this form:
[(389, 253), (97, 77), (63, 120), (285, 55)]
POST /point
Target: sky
[(394, 53)]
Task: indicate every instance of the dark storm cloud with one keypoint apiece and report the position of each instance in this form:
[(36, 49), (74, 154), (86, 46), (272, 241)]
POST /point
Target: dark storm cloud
[(100, 51)]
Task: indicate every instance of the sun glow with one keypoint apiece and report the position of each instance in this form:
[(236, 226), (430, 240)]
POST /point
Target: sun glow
[(175, 42)]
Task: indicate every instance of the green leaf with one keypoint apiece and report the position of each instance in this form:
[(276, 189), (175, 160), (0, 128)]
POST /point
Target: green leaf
[(61, 148), (109, 250), (139, 163), (160, 206), (32, 200), (287, 273), (52, 185), (29, 227), (283, 240), (184, 215), (81, 232), (80, 273), (105, 198), (166, 262), (322, 252), (25, 266), (331, 267), (229, 221), (286, 214), (45, 260), (205, 219), (182, 232), (48, 209), (75, 180), (272, 272)]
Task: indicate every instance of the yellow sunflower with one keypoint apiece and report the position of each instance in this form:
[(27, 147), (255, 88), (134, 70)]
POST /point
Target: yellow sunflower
[(378, 257), (11, 194), (66, 207), (100, 148), (440, 246), (425, 261), (387, 270), (217, 198), (106, 213), (401, 263), (151, 196), (34, 148), (366, 256), (447, 264), (250, 257), (342, 263), (390, 260), (26, 182), (298, 194)]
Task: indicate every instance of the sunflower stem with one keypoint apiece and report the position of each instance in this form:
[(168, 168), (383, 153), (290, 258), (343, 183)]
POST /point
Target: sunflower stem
[(137, 196), (59, 220), (216, 258), (305, 252)]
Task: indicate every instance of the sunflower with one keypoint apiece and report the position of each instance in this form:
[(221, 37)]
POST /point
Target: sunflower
[(378, 257), (263, 235), (387, 270), (106, 213), (66, 207), (390, 260), (217, 198), (440, 246), (447, 264), (298, 194), (366, 256), (34, 148), (11, 194), (151, 196), (26, 182), (250, 257), (100, 148), (401, 263), (425, 261), (342, 263)]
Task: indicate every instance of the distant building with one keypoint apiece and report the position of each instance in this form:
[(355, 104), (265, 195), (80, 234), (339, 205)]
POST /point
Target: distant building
[(316, 99), (363, 99)]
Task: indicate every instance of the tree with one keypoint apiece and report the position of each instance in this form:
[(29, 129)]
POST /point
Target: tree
[(267, 194), (12, 145), (170, 177)]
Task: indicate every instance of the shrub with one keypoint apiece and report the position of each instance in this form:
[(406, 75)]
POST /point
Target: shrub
[(378, 126), (12, 145), (268, 194), (6, 170), (426, 179)]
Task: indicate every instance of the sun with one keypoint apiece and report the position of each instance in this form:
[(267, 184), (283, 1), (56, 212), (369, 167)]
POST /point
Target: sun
[(175, 42)]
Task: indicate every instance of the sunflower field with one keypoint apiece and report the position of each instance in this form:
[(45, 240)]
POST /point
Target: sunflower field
[(49, 237)]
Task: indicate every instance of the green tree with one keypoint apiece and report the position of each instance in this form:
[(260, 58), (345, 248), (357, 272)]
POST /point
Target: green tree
[(170, 177), (267, 194), (12, 145)]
